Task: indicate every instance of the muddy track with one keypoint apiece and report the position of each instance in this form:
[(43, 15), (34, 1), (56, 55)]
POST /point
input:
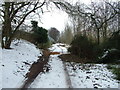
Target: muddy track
[(36, 68), (39, 66), (68, 80)]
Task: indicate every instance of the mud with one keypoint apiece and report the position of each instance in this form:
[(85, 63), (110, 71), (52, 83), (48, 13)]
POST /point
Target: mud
[(41, 66), (73, 58)]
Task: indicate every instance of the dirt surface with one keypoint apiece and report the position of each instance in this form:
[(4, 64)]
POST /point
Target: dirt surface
[(41, 66), (73, 58)]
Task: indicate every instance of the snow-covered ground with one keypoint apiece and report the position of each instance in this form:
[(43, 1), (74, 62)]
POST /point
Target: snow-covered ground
[(56, 77), (81, 76), (13, 63), (91, 76)]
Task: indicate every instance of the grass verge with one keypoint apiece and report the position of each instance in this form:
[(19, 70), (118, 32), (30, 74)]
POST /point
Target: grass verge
[(115, 70)]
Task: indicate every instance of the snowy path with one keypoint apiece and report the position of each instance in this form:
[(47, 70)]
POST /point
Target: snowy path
[(68, 79), (57, 76)]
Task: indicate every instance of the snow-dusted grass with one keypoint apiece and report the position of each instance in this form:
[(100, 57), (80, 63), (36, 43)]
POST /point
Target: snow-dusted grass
[(13, 66), (115, 68), (91, 76)]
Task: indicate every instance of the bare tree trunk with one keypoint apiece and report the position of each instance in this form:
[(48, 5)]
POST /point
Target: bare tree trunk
[(98, 36), (105, 31), (119, 17), (7, 26)]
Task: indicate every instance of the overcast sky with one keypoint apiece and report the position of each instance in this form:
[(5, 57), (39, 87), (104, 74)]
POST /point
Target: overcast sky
[(56, 18)]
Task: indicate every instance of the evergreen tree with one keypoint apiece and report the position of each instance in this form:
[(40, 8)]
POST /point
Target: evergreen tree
[(40, 33)]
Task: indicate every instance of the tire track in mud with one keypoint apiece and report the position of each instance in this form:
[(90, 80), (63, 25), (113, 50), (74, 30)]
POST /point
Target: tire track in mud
[(36, 68), (68, 80)]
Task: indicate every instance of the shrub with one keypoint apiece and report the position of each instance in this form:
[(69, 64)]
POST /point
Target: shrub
[(115, 70), (113, 41), (39, 33), (82, 47), (44, 45), (112, 46), (110, 56)]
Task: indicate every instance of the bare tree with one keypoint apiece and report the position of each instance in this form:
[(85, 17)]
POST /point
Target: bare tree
[(67, 35), (98, 15), (15, 13), (54, 34)]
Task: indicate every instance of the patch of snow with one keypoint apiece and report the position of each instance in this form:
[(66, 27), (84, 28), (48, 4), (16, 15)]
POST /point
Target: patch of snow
[(105, 54), (59, 48), (113, 49), (13, 66)]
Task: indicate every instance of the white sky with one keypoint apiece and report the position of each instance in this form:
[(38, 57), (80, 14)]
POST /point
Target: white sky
[(56, 18)]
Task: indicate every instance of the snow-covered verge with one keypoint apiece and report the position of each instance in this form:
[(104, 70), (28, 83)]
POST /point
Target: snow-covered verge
[(91, 76), (16, 62)]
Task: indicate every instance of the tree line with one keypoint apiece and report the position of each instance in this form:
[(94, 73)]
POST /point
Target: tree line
[(95, 29), (98, 22)]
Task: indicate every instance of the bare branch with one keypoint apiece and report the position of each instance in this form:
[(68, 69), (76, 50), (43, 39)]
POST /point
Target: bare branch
[(28, 14), (114, 8), (15, 11)]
